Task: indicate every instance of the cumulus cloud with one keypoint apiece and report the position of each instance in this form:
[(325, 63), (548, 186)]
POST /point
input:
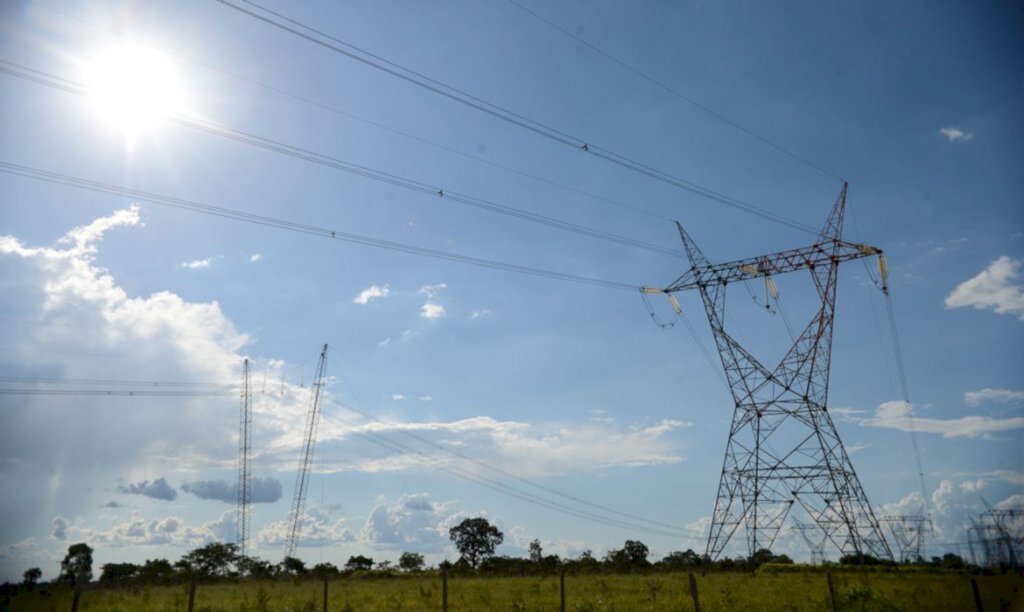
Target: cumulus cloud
[(316, 528), (370, 294), (263, 490), (476, 314), (995, 288), (974, 398), (195, 264), (398, 397), (431, 311), (956, 134), (414, 522), (167, 531), (60, 529), (158, 489), (255, 257), (899, 415)]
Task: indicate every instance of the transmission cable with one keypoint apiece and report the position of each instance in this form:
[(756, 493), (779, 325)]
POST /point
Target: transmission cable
[(465, 98), (504, 489), (505, 473), (238, 215), (215, 129), (675, 92), (364, 120)]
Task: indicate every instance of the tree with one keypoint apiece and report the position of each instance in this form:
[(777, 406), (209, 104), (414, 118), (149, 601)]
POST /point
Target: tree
[(679, 560), (359, 562), (636, 552), (325, 570), (32, 576), (214, 559), (536, 552), (476, 539), (410, 561), (76, 567), (156, 571), (254, 567), (291, 565), (119, 573)]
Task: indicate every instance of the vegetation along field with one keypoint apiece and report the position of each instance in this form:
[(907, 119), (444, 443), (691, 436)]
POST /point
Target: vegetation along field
[(799, 590)]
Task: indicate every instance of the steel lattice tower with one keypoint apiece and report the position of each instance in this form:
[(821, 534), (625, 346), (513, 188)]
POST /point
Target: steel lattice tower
[(306, 458), (908, 531), (244, 474), (815, 541), (783, 448)]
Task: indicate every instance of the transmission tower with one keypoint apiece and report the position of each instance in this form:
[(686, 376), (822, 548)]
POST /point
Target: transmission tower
[(783, 447), (997, 533), (908, 531), (306, 457), (244, 474), (815, 540)]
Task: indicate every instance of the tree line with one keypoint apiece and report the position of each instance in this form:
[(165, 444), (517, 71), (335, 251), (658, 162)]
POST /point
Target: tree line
[(475, 539)]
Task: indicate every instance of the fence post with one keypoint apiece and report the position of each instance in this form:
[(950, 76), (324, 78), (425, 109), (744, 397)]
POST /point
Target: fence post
[(977, 594), (831, 592), (693, 592), (325, 593), (561, 589), (74, 601), (444, 590), (191, 595)]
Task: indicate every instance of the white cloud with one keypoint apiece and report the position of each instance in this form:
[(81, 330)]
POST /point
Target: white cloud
[(316, 528), (255, 257), (534, 450), (195, 264), (994, 288), (167, 531), (413, 523), (476, 314), (955, 134), (426, 398), (899, 415), (974, 398), (371, 294), (431, 311), (432, 291), (398, 397)]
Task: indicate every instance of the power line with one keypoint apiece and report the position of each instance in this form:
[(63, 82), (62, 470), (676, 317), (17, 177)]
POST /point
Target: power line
[(116, 393), (376, 124), (37, 380), (465, 98), (45, 78), (276, 223), (675, 92)]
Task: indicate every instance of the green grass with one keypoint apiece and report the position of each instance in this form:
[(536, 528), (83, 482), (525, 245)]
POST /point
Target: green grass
[(722, 591)]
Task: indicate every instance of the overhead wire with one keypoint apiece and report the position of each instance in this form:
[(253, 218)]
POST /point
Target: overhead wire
[(323, 232), (334, 109), (447, 449), (57, 82), (351, 51), (675, 92)]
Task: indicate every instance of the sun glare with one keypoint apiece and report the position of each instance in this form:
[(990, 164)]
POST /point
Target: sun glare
[(133, 88)]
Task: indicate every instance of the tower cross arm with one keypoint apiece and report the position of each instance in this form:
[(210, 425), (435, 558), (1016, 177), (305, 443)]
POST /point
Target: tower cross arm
[(703, 274)]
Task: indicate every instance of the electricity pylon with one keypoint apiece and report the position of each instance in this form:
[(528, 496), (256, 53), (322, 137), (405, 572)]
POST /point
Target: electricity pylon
[(908, 531), (244, 474), (306, 458), (815, 540), (783, 447)]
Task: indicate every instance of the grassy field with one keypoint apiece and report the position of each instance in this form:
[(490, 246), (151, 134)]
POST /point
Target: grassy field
[(723, 591)]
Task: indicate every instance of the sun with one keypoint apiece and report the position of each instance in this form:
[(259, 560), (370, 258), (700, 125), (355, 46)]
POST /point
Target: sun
[(134, 88)]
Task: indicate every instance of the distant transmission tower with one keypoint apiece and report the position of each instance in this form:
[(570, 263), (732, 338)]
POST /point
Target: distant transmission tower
[(908, 531), (815, 540), (997, 535), (244, 474), (306, 458), (783, 449)]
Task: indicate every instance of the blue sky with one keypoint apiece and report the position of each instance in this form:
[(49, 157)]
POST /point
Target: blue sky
[(566, 385)]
